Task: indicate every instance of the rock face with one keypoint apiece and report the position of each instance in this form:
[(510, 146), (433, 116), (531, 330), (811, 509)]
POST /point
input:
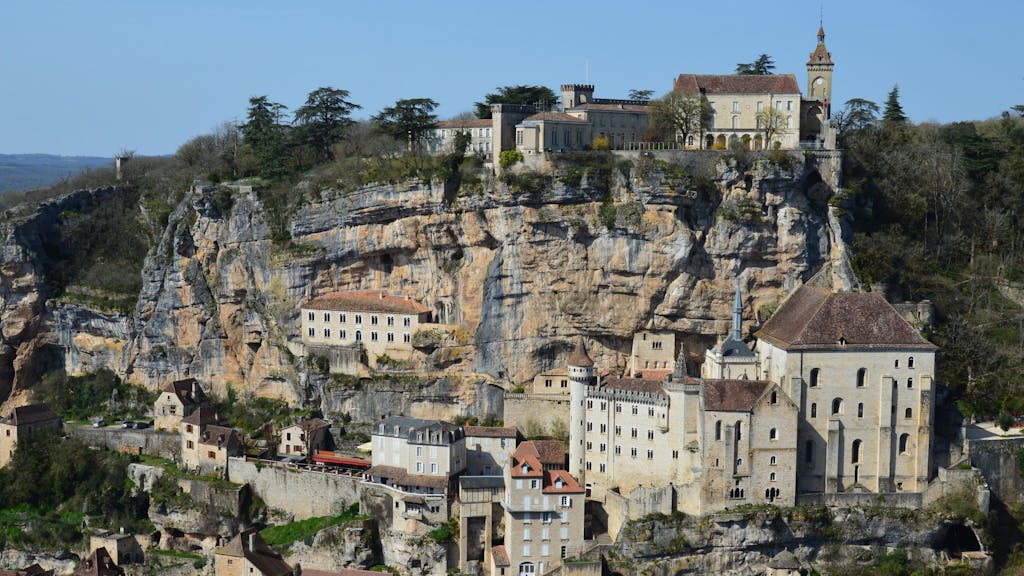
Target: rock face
[(525, 273), (350, 545)]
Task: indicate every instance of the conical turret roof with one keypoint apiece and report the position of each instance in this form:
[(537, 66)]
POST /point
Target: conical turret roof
[(579, 356)]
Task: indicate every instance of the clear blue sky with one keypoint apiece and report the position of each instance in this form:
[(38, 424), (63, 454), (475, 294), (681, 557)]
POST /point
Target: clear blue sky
[(93, 78)]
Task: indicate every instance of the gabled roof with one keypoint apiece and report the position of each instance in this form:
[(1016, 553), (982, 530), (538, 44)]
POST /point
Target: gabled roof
[(202, 416), (526, 462), (561, 482), (99, 563), (310, 425), (709, 84), (214, 435), (813, 318), (553, 117), (251, 546), (188, 391), (551, 453), (367, 301), (33, 414), (408, 427), (732, 395), (491, 431)]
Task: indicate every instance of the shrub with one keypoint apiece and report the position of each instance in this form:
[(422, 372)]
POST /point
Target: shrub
[(601, 142), (509, 158)]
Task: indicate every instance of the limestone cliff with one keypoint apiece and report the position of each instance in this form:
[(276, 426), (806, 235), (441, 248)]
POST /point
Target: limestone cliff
[(525, 272)]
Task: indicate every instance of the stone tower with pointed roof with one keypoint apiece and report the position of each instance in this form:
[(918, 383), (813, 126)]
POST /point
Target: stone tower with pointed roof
[(732, 358), (819, 71), (581, 377)]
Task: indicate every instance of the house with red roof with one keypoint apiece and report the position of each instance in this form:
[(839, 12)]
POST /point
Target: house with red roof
[(371, 322), (177, 400), (22, 421)]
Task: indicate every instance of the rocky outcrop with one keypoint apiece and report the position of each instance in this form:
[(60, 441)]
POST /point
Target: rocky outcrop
[(350, 545), (413, 554), (63, 563), (525, 273)]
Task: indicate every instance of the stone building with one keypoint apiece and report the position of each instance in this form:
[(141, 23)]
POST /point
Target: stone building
[(418, 456), (177, 400), (652, 355), (555, 381), (488, 449), (382, 324), (441, 137), (581, 119), (206, 444), (99, 563), (21, 422), (543, 515), (863, 380), (247, 554), (122, 548), (731, 357), (480, 517), (303, 439), (742, 104)]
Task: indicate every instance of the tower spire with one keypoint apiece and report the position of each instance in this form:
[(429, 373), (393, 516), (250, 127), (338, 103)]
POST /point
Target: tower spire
[(737, 308)]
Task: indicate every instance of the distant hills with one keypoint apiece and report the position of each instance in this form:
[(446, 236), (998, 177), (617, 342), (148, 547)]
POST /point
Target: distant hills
[(28, 171)]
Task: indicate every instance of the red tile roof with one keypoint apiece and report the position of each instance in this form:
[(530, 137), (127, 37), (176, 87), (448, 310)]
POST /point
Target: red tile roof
[(737, 84), (658, 375), (526, 455), (500, 556), (367, 301), (550, 452), (732, 395), (569, 484), (490, 431), (553, 117), (813, 318), (474, 123)]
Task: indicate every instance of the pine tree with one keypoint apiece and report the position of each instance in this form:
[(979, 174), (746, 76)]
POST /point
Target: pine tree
[(893, 111)]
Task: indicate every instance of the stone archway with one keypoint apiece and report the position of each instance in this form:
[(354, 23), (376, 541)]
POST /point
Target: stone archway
[(758, 142), (720, 141), (709, 141)]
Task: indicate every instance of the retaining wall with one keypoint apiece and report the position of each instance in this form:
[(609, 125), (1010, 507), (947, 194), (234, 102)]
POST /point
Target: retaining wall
[(305, 494), (146, 441)]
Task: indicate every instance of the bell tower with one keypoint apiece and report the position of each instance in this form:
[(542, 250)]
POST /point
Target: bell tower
[(819, 73)]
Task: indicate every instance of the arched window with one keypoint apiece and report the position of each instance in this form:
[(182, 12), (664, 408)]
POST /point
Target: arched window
[(862, 376), (855, 452), (359, 335), (860, 410), (735, 122), (904, 442), (837, 406), (718, 430), (773, 434), (772, 461), (814, 377), (814, 410), (789, 121), (771, 477), (910, 383), (910, 362), (908, 413), (739, 430)]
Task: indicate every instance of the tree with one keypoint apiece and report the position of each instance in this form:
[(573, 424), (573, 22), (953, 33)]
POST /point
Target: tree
[(324, 118), (539, 96), (770, 123), (762, 66), (408, 119), (680, 114), (264, 137), (641, 95), (893, 110), (856, 115)]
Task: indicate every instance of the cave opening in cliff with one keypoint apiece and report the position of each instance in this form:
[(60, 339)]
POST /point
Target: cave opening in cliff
[(960, 538)]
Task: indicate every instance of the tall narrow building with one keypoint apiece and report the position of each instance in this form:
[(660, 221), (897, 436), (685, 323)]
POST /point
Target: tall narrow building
[(581, 378)]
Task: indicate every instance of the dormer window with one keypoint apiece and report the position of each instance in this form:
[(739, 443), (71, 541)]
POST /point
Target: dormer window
[(559, 484), (526, 469)]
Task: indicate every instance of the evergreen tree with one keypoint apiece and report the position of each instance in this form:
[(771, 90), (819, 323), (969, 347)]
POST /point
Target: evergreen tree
[(893, 111), (324, 118), (408, 119)]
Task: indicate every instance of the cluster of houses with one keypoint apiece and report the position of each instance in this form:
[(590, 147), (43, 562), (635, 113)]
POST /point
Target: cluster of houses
[(737, 106)]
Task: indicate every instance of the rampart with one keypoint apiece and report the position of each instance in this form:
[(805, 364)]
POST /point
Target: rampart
[(304, 492), (146, 441), (536, 412), (997, 460)]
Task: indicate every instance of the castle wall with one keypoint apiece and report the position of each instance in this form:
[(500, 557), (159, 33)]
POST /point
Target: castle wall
[(527, 411), (305, 494), (147, 441)]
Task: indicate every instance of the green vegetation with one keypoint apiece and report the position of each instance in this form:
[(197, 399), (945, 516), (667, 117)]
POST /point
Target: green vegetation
[(51, 483), (539, 96), (762, 65), (255, 416), (447, 532), (938, 214), (509, 158), (99, 395), (281, 537)]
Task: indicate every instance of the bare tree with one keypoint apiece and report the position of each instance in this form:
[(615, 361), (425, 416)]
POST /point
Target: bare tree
[(680, 114)]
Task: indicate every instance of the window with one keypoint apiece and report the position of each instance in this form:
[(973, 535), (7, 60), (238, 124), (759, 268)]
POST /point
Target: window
[(789, 121), (772, 462), (735, 124), (312, 331), (837, 406), (188, 444), (618, 407), (373, 320), (590, 426), (632, 452), (373, 336), (910, 362), (618, 430), (565, 502), (739, 430), (771, 477), (391, 336), (327, 316), (773, 434), (602, 467), (760, 105), (814, 410), (588, 465), (904, 442), (359, 318), (590, 446), (406, 338), (406, 321), (344, 334), (815, 373), (650, 454), (735, 106), (650, 434), (789, 105), (545, 517), (855, 452), (862, 376), (604, 428), (391, 320), (739, 462), (656, 345), (604, 406), (603, 447), (419, 467), (534, 484), (650, 411), (210, 454), (860, 410), (632, 432), (590, 404), (675, 454), (897, 364), (433, 467), (327, 332), (343, 318), (311, 316), (775, 398), (778, 105), (635, 410), (908, 413), (910, 383), (718, 430), (618, 449)]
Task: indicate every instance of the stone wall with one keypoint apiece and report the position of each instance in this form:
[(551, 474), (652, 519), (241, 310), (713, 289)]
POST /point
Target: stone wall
[(997, 460), (908, 500), (147, 441), (640, 502), (304, 494), (526, 411)]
